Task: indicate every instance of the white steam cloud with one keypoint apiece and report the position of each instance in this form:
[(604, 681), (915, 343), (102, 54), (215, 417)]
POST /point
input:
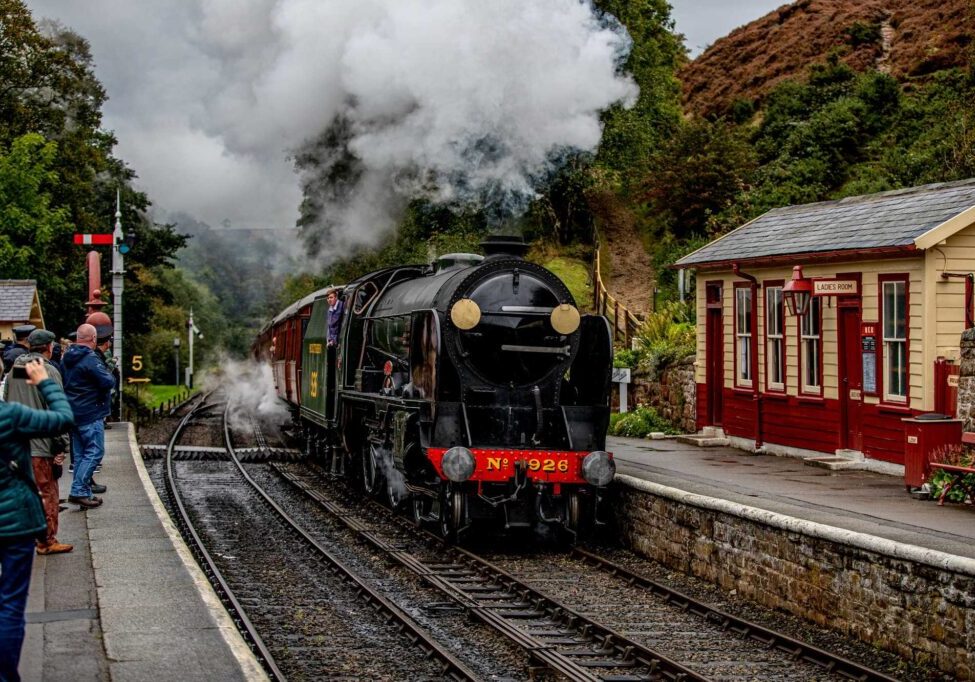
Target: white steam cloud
[(249, 390), (453, 100)]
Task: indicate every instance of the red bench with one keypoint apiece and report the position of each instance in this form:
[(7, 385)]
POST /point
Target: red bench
[(956, 473)]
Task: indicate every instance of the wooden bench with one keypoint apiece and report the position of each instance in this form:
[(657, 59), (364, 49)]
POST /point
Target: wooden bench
[(956, 473)]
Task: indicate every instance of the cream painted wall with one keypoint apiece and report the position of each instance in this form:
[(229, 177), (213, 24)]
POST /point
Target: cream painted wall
[(922, 348)]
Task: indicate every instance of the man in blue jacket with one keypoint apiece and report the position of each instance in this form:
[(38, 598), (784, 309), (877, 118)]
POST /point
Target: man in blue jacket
[(21, 514), (88, 385)]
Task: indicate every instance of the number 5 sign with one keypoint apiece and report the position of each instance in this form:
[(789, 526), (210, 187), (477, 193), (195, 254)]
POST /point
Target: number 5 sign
[(136, 363)]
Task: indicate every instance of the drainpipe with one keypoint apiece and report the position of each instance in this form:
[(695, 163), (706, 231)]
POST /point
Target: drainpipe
[(756, 396)]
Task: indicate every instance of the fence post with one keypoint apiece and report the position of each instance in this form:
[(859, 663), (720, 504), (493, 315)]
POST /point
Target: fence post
[(616, 321)]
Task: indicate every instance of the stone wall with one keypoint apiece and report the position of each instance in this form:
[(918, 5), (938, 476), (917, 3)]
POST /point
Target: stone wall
[(966, 380), (673, 394), (917, 603)]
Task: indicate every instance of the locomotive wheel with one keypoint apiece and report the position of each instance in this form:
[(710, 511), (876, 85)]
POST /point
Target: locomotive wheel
[(573, 517), (371, 476), (452, 513), (422, 506)]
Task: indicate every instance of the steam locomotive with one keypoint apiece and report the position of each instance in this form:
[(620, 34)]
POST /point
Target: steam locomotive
[(468, 389)]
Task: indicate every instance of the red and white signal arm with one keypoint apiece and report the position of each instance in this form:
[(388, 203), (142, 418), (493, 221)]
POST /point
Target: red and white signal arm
[(98, 239)]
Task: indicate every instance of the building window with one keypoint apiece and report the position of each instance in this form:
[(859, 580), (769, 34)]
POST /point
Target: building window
[(774, 339), (743, 335), (810, 333), (895, 340)]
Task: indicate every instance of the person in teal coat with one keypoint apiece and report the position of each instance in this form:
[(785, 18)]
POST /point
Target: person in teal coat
[(21, 513)]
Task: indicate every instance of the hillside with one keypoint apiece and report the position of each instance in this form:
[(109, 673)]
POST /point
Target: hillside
[(906, 38)]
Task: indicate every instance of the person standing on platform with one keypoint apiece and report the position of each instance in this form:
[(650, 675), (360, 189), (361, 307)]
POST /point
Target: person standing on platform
[(46, 453), (88, 385), (19, 348), (21, 515)]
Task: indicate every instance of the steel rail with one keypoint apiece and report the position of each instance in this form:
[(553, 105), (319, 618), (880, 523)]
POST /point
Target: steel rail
[(455, 567), (220, 585), (796, 648), (452, 667)]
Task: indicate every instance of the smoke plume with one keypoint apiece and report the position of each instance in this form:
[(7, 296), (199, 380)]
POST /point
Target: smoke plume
[(376, 102)]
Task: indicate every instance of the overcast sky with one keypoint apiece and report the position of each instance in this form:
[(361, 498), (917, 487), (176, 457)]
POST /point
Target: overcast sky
[(219, 151)]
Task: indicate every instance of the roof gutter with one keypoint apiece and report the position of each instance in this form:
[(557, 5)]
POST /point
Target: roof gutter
[(753, 343)]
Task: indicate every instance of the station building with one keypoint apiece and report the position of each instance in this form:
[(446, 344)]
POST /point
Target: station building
[(19, 304), (882, 287)]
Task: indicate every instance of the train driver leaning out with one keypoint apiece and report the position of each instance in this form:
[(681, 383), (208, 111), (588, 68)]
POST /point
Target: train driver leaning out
[(335, 309)]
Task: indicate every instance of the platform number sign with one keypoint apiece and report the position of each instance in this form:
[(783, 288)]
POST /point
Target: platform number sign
[(136, 366)]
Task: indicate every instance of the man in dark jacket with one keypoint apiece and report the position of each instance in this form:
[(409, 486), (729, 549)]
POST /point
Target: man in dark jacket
[(335, 309), (45, 452), (21, 515), (19, 348), (88, 385)]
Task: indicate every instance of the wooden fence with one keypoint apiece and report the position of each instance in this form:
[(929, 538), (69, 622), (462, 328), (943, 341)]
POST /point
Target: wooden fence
[(625, 323), (145, 415)]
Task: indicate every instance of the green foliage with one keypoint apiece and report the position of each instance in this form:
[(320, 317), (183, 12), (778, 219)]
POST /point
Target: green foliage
[(626, 358), (666, 336), (630, 135), (959, 456), (639, 423), (574, 274), (61, 176), (862, 33)]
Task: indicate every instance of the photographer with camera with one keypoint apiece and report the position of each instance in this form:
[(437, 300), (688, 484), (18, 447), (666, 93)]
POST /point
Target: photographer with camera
[(47, 454), (21, 513)]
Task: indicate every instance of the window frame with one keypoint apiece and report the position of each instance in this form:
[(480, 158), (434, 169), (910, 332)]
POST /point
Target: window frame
[(885, 396), (777, 387), (815, 304), (740, 381)]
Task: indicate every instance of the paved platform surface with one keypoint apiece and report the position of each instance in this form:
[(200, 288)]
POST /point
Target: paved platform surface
[(856, 500), (127, 603)]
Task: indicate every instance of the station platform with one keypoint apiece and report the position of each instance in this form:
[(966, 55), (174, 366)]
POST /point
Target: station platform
[(128, 603), (855, 500)]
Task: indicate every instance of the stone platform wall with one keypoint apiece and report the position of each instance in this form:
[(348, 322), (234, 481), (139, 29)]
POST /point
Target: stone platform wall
[(673, 395), (917, 603)]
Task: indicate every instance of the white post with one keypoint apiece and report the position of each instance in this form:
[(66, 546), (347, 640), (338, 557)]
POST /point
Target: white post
[(118, 278), (682, 283), (621, 376), (190, 331)]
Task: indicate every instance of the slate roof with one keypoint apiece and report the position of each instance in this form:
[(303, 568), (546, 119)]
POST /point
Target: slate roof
[(16, 299), (888, 219)]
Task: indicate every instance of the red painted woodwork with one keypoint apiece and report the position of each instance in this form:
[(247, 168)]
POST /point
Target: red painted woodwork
[(850, 378), (714, 354), (813, 423), (945, 395)]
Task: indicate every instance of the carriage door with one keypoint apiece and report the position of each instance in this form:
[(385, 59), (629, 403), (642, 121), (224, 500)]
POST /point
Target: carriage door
[(714, 352), (850, 369)]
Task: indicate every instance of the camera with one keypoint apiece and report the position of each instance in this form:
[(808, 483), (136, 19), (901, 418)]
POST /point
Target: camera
[(19, 372)]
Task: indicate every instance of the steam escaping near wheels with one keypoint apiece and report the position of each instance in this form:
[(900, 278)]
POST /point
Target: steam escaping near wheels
[(249, 387)]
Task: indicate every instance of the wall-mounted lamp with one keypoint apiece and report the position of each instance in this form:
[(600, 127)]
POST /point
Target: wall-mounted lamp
[(798, 292)]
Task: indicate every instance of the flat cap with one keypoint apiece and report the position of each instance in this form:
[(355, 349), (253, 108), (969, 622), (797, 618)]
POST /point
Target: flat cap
[(72, 337), (41, 337), (23, 330), (104, 332)]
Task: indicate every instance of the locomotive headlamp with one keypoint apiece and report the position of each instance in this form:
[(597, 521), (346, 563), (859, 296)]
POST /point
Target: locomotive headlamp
[(598, 468), (458, 464), (565, 318), (465, 314)]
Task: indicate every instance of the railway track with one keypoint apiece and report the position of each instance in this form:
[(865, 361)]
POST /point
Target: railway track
[(399, 623), (563, 639)]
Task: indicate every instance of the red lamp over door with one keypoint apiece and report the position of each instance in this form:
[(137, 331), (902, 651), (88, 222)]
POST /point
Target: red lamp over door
[(798, 292)]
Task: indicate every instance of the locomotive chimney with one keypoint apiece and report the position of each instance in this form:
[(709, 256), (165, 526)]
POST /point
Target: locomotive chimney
[(504, 245)]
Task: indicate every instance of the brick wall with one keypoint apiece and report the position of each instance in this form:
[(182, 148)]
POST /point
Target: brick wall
[(917, 603)]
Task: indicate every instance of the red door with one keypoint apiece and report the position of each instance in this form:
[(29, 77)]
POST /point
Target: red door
[(714, 353), (851, 378)]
